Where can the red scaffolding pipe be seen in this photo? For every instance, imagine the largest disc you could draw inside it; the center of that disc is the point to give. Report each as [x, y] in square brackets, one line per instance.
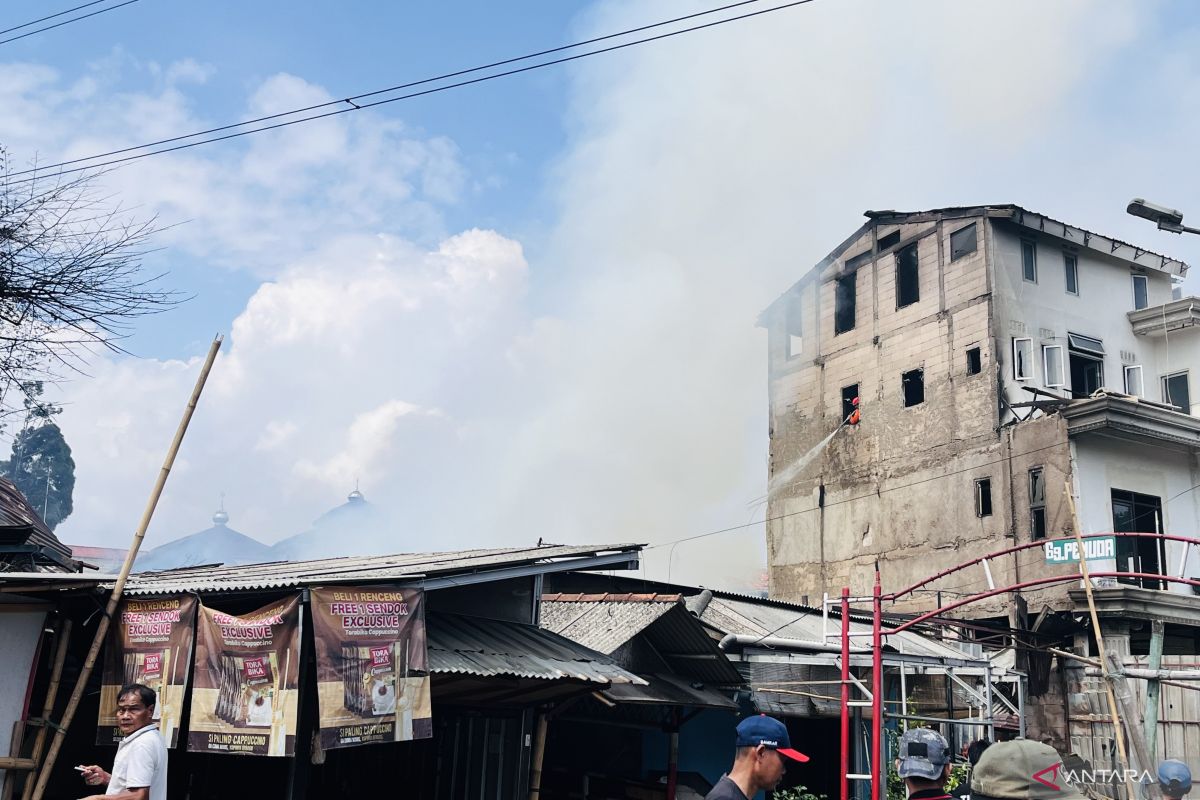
[845, 781]
[1028, 545]
[1029, 584]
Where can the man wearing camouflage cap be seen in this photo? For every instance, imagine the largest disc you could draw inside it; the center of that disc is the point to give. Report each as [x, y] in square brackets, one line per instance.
[924, 764]
[1021, 770]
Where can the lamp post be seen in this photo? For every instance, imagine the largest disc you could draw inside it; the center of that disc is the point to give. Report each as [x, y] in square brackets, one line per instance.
[1167, 219]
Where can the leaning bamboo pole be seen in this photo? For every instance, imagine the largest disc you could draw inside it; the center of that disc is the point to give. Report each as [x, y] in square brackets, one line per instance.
[39, 744]
[89, 663]
[1100, 651]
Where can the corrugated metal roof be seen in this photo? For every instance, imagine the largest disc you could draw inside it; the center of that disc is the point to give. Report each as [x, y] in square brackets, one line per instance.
[760, 619]
[483, 647]
[608, 625]
[403, 566]
[602, 625]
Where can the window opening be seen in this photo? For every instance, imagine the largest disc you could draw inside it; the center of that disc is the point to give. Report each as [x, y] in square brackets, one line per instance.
[1086, 359]
[1022, 359]
[983, 497]
[962, 242]
[1071, 268]
[891, 240]
[1141, 292]
[1133, 381]
[844, 300]
[1037, 504]
[849, 395]
[908, 278]
[913, 385]
[857, 261]
[1029, 260]
[1138, 513]
[1175, 391]
[974, 361]
[1052, 364]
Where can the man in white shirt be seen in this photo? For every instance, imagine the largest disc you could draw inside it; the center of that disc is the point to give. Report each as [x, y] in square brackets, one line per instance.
[140, 768]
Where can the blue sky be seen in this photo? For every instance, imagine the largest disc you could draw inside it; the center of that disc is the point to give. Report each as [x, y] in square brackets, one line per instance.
[526, 309]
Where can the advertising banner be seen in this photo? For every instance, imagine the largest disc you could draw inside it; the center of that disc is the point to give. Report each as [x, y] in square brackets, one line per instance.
[247, 668]
[149, 642]
[372, 668]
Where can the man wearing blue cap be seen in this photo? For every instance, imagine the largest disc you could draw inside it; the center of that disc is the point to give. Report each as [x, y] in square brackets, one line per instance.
[762, 745]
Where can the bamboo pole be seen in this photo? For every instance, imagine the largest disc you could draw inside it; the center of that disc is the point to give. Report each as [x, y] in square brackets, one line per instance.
[1133, 718]
[1157, 630]
[102, 628]
[1100, 651]
[39, 744]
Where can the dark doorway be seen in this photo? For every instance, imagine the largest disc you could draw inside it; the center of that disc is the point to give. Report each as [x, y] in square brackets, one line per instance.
[1138, 513]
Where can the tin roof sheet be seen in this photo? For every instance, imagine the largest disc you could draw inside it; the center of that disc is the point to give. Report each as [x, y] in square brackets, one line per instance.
[402, 566]
[483, 647]
[601, 624]
[21, 525]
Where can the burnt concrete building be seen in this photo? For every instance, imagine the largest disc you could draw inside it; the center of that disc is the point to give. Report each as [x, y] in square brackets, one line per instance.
[1000, 359]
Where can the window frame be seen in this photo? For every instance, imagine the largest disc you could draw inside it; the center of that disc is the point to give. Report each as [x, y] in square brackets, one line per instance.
[1062, 370]
[1032, 245]
[1187, 387]
[1071, 272]
[1027, 361]
[1125, 370]
[793, 313]
[846, 401]
[955, 256]
[1145, 279]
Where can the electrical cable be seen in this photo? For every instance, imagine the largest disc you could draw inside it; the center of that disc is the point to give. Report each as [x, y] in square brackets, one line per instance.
[64, 22]
[53, 170]
[52, 16]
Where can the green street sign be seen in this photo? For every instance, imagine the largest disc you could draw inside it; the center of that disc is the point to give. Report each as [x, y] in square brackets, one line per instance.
[1067, 552]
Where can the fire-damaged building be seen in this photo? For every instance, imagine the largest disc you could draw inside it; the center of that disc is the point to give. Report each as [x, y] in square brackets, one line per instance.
[999, 361]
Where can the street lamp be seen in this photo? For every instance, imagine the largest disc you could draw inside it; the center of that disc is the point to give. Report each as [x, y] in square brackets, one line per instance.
[1167, 219]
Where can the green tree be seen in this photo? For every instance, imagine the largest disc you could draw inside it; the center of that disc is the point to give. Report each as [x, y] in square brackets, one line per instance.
[41, 465]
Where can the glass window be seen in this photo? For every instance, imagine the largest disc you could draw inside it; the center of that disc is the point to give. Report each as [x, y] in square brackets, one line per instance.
[1086, 344]
[1133, 381]
[1175, 391]
[1029, 260]
[1052, 364]
[1022, 359]
[1071, 270]
[1141, 292]
[962, 242]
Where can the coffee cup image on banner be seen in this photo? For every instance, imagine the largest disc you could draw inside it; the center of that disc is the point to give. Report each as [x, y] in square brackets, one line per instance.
[247, 695]
[369, 679]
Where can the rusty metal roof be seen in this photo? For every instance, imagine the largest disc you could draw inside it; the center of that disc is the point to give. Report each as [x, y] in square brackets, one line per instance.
[21, 527]
[484, 647]
[419, 568]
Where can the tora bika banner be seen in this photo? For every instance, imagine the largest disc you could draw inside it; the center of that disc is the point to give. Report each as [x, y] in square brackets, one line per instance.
[372, 667]
[149, 642]
[245, 688]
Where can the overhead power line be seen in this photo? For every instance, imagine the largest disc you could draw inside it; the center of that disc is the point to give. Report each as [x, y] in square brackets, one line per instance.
[64, 22]
[350, 104]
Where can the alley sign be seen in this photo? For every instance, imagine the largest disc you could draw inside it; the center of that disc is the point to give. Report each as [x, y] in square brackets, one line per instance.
[1096, 547]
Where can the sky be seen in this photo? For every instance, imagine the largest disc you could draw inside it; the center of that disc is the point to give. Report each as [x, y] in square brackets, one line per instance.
[526, 308]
